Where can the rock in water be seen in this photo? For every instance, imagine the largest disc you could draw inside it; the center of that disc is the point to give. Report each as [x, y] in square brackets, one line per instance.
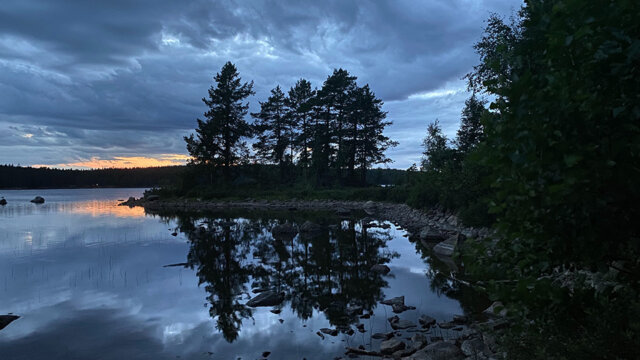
[390, 346]
[332, 332]
[266, 354]
[438, 350]
[3, 202]
[38, 200]
[7, 319]
[380, 269]
[399, 300]
[426, 321]
[447, 247]
[267, 298]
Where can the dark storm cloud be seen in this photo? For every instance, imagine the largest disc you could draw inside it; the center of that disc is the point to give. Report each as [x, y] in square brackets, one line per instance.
[114, 78]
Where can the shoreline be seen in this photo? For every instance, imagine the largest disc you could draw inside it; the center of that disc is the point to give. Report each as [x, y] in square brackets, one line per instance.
[432, 226]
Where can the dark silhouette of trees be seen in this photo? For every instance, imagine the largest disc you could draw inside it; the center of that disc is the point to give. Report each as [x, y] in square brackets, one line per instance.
[300, 104]
[219, 138]
[328, 133]
[274, 131]
[471, 132]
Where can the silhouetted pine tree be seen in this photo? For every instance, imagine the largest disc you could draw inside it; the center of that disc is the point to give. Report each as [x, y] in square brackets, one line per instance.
[274, 130]
[218, 142]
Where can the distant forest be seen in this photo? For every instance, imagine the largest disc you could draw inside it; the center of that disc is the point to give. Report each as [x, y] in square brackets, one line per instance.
[18, 177]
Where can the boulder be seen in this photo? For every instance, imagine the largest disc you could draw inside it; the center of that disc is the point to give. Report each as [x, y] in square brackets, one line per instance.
[472, 347]
[430, 234]
[397, 308]
[397, 324]
[392, 345]
[398, 300]
[332, 332]
[380, 269]
[3, 202]
[446, 325]
[438, 350]
[382, 335]
[267, 298]
[496, 309]
[5, 320]
[38, 200]
[447, 247]
[426, 321]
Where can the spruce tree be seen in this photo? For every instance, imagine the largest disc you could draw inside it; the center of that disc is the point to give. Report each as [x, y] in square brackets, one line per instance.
[218, 143]
[274, 130]
[471, 131]
[300, 106]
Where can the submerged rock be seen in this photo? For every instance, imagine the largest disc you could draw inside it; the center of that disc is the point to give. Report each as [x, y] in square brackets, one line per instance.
[267, 298]
[392, 345]
[397, 324]
[5, 320]
[430, 234]
[438, 350]
[380, 269]
[332, 332]
[398, 300]
[426, 321]
[38, 200]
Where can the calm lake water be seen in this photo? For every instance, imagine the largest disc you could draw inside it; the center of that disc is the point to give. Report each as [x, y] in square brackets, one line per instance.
[88, 279]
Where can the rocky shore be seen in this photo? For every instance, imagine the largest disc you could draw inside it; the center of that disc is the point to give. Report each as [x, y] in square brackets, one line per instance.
[467, 338]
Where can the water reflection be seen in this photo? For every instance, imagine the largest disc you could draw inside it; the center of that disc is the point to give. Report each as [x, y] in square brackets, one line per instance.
[326, 269]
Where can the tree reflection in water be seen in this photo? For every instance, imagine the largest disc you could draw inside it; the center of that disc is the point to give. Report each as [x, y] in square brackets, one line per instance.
[326, 270]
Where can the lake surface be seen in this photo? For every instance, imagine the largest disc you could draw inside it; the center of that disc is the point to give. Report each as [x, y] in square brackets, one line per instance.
[89, 280]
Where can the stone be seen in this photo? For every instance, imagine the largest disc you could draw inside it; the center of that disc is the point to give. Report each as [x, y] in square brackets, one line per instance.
[438, 350]
[472, 347]
[266, 354]
[3, 202]
[320, 334]
[426, 321]
[398, 300]
[391, 345]
[382, 335]
[267, 298]
[397, 324]
[418, 341]
[446, 325]
[38, 200]
[380, 269]
[332, 332]
[495, 309]
[460, 319]
[447, 247]
[5, 320]
[399, 308]
[430, 234]
[361, 328]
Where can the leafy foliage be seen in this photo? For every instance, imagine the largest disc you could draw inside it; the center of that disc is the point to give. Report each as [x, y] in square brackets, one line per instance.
[563, 158]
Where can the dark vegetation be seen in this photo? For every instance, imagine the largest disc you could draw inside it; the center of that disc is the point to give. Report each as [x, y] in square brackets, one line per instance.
[17, 177]
[553, 165]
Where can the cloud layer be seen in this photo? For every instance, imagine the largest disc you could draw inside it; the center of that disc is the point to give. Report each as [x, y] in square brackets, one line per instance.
[99, 80]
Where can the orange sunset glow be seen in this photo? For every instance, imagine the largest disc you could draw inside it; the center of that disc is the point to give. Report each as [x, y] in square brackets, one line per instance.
[124, 162]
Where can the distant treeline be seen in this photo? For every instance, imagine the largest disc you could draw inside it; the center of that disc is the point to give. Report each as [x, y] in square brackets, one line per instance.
[18, 177]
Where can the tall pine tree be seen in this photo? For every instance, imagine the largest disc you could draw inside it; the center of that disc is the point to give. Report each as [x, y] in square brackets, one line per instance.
[300, 104]
[218, 143]
[273, 127]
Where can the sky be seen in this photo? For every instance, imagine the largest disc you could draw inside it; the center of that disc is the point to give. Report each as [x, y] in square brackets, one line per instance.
[118, 83]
